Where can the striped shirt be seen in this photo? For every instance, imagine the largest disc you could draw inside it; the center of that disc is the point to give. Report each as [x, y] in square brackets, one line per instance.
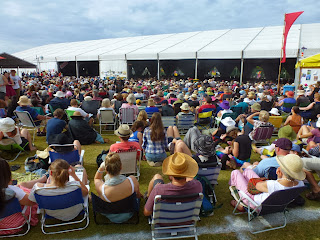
[156, 147]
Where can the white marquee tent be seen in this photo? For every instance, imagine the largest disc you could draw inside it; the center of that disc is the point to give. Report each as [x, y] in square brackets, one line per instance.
[113, 54]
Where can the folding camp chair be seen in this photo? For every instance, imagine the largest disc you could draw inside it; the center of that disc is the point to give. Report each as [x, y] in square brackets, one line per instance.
[12, 147]
[176, 108]
[276, 202]
[91, 107]
[126, 116]
[13, 207]
[69, 113]
[211, 172]
[130, 161]
[175, 216]
[70, 156]
[276, 121]
[60, 202]
[26, 121]
[106, 118]
[127, 205]
[185, 122]
[205, 119]
[168, 121]
[262, 134]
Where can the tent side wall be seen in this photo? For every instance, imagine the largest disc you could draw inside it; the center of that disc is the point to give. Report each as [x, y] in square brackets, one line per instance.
[113, 68]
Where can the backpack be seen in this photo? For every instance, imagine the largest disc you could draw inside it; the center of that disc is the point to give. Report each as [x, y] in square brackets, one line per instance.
[101, 156]
[207, 206]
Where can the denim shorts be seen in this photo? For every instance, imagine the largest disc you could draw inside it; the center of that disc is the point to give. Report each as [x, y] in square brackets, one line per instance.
[156, 157]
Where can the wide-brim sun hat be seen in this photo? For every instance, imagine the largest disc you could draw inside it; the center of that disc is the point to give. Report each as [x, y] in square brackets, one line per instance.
[185, 106]
[88, 98]
[228, 121]
[60, 94]
[151, 102]
[7, 125]
[300, 92]
[194, 96]
[292, 165]
[274, 111]
[231, 128]
[256, 107]
[180, 96]
[123, 131]
[225, 105]
[180, 165]
[24, 101]
[287, 132]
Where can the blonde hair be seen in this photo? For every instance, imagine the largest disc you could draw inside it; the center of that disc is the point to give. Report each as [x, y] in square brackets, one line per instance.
[142, 116]
[113, 163]
[264, 116]
[59, 172]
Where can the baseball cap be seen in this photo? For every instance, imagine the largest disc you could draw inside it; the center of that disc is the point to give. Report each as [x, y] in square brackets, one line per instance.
[283, 143]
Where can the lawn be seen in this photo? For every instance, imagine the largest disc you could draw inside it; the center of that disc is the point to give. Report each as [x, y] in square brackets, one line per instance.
[222, 225]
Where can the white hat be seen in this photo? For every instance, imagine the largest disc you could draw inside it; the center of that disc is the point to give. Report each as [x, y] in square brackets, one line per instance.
[88, 98]
[185, 106]
[318, 123]
[7, 125]
[228, 121]
[275, 111]
[60, 94]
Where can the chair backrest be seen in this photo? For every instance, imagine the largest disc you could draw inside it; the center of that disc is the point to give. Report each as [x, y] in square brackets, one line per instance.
[127, 115]
[59, 201]
[12, 206]
[272, 173]
[91, 106]
[276, 121]
[106, 116]
[69, 156]
[2, 112]
[168, 121]
[233, 115]
[211, 173]
[129, 161]
[186, 121]
[52, 108]
[69, 113]
[263, 133]
[39, 110]
[207, 114]
[177, 108]
[279, 200]
[125, 205]
[173, 210]
[25, 118]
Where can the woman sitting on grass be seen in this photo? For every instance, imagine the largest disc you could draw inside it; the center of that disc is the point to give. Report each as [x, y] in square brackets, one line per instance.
[116, 186]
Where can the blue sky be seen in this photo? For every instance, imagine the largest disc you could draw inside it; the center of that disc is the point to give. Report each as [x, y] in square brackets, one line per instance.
[29, 23]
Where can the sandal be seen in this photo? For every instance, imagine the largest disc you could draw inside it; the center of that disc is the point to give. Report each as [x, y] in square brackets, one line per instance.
[313, 196]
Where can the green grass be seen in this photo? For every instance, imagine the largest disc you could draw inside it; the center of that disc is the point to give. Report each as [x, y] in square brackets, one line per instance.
[298, 230]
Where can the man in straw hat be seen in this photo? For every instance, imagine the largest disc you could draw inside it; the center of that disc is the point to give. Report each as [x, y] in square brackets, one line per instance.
[181, 169]
[24, 105]
[289, 174]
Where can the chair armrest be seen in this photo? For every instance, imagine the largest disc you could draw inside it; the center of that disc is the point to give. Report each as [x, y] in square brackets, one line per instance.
[244, 195]
[81, 156]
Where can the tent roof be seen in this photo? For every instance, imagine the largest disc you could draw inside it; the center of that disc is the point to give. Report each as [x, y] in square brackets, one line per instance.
[313, 61]
[249, 43]
[9, 61]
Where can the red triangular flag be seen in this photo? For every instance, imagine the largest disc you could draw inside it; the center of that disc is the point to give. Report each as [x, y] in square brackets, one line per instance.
[288, 21]
[2, 57]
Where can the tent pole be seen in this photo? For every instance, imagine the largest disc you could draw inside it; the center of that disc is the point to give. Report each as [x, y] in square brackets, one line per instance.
[18, 71]
[77, 68]
[158, 72]
[241, 68]
[196, 67]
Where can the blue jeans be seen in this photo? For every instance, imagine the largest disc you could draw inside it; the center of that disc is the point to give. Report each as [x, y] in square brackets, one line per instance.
[156, 157]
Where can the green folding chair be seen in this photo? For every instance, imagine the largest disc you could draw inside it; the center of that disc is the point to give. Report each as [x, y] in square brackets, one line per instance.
[12, 147]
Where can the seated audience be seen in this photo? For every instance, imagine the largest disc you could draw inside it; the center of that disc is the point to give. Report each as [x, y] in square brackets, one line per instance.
[55, 125]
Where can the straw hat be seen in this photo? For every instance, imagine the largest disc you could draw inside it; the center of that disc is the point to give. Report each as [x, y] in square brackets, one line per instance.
[195, 96]
[185, 106]
[123, 131]
[7, 125]
[228, 121]
[256, 107]
[151, 102]
[292, 165]
[180, 165]
[24, 101]
[274, 111]
[300, 92]
[180, 96]
[131, 98]
[287, 132]
[88, 98]
[60, 94]
[231, 128]
[76, 114]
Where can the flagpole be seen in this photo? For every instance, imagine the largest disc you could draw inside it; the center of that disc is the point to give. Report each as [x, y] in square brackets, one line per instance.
[281, 52]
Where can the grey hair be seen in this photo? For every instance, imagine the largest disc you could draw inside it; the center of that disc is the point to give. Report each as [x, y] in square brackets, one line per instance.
[286, 175]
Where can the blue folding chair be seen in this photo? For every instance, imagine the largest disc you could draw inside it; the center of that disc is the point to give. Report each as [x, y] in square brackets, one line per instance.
[185, 122]
[175, 216]
[12, 207]
[60, 202]
[70, 156]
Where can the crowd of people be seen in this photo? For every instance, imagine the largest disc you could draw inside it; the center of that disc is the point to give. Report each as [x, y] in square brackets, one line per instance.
[237, 112]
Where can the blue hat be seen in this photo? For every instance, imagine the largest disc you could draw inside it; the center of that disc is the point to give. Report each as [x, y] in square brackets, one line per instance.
[296, 148]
